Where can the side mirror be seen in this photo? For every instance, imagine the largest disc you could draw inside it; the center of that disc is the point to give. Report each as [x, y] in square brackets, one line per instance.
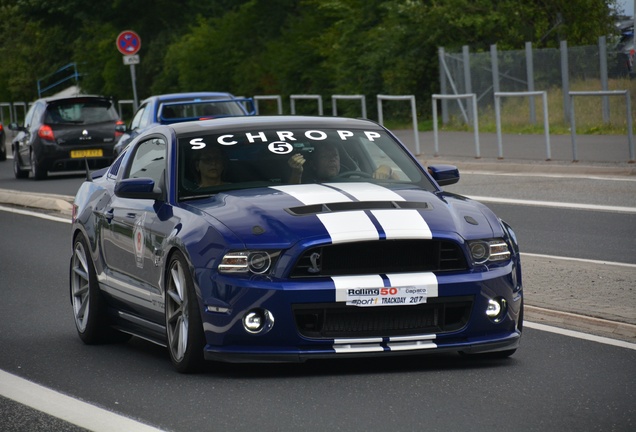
[138, 188]
[444, 175]
[16, 127]
[121, 128]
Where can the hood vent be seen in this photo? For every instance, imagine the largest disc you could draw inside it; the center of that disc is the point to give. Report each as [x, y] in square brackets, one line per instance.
[358, 205]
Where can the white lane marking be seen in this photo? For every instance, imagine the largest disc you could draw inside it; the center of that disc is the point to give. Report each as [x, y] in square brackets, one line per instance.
[580, 335]
[36, 214]
[564, 176]
[582, 260]
[554, 204]
[66, 408]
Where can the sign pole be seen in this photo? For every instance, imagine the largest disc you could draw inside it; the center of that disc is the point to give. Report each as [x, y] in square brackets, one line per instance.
[128, 43]
[134, 85]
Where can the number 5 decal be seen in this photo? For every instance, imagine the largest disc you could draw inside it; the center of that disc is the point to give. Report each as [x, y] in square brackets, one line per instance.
[280, 147]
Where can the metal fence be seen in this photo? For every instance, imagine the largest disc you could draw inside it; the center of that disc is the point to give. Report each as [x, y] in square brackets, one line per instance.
[527, 70]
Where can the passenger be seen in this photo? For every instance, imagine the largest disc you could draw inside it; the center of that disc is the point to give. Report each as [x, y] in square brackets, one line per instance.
[325, 162]
[209, 164]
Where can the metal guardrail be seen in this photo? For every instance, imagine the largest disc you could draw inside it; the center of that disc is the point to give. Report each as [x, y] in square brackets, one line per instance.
[362, 98]
[471, 96]
[410, 98]
[628, 106]
[277, 98]
[546, 124]
[294, 98]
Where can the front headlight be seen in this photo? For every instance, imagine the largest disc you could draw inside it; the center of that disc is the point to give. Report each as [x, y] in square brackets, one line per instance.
[257, 262]
[482, 251]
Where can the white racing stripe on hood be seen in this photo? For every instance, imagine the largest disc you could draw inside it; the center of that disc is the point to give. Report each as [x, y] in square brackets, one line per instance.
[309, 194]
[402, 224]
[367, 191]
[349, 226]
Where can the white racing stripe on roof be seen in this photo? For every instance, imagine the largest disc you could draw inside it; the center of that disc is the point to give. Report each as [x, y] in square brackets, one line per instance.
[349, 226]
[310, 194]
[403, 224]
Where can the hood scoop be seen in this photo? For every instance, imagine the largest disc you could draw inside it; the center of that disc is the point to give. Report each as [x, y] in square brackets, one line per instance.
[314, 209]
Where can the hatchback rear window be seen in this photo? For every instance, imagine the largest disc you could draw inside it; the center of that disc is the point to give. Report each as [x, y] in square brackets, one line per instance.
[81, 111]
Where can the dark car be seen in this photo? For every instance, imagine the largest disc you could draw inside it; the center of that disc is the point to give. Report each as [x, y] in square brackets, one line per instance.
[3, 145]
[180, 107]
[64, 134]
[206, 237]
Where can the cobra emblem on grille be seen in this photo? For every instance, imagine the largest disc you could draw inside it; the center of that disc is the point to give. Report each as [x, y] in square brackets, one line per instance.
[315, 267]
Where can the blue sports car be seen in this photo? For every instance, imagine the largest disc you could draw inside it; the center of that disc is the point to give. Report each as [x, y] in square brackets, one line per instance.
[287, 238]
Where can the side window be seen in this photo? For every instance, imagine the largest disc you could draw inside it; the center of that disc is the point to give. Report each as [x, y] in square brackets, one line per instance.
[147, 117]
[29, 116]
[149, 160]
[136, 121]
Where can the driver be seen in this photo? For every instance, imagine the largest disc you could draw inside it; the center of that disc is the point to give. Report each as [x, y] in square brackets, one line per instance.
[325, 162]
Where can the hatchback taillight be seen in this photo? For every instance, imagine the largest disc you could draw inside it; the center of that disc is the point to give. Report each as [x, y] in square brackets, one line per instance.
[45, 132]
[117, 133]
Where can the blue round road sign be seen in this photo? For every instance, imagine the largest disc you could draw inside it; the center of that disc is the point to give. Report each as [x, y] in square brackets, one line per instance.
[128, 42]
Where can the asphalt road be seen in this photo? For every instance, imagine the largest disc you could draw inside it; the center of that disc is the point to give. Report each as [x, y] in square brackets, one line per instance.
[553, 382]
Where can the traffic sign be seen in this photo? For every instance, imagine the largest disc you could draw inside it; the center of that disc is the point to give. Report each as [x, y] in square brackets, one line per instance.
[131, 59]
[128, 42]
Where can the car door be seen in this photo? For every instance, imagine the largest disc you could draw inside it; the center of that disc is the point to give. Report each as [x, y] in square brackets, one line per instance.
[127, 241]
[25, 137]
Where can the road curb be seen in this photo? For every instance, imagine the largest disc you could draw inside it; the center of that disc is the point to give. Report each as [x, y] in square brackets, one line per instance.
[59, 203]
[598, 326]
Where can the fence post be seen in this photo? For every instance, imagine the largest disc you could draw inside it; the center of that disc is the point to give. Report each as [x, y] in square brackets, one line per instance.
[530, 78]
[602, 55]
[467, 78]
[471, 96]
[565, 80]
[442, 84]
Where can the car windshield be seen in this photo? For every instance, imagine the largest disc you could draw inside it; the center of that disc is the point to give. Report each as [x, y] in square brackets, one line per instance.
[211, 163]
[80, 111]
[171, 112]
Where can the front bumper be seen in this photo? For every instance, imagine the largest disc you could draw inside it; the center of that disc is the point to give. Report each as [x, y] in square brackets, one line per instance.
[225, 305]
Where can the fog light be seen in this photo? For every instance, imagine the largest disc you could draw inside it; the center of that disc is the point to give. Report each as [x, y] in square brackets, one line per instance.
[258, 321]
[496, 309]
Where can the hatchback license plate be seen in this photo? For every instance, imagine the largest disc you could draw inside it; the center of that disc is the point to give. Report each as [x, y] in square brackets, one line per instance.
[87, 153]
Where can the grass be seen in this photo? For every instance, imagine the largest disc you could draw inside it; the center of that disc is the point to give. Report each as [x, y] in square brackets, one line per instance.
[515, 113]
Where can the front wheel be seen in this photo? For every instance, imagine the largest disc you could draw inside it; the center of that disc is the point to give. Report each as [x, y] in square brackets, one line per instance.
[85, 296]
[184, 327]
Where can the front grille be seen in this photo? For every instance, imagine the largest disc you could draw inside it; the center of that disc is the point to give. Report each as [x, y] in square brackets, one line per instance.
[378, 257]
[333, 320]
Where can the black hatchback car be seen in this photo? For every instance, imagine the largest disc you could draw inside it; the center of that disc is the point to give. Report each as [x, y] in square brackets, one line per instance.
[65, 134]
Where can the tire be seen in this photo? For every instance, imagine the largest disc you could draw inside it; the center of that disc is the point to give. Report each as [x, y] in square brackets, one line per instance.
[184, 327]
[37, 171]
[88, 308]
[3, 150]
[18, 172]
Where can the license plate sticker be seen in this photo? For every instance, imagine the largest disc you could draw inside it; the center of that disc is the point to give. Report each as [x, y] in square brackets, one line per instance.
[387, 296]
[87, 153]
